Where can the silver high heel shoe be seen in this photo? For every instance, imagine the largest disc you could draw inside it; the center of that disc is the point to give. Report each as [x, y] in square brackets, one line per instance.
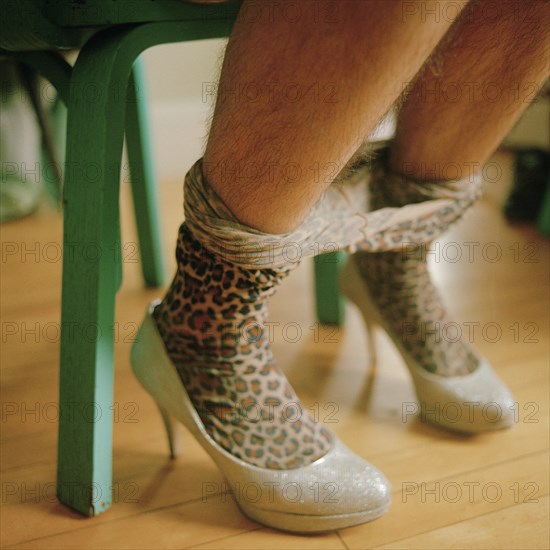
[338, 490]
[476, 402]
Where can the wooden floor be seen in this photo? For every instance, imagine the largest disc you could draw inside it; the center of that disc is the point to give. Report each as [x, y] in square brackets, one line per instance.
[449, 491]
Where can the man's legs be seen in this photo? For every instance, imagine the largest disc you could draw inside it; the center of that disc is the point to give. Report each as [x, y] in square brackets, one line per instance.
[468, 96]
[347, 68]
[473, 90]
[346, 63]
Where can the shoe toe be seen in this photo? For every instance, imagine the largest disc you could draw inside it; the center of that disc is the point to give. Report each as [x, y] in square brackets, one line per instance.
[342, 483]
[474, 403]
[339, 490]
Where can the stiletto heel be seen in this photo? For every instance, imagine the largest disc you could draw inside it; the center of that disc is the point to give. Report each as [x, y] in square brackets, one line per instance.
[457, 403]
[171, 432]
[362, 492]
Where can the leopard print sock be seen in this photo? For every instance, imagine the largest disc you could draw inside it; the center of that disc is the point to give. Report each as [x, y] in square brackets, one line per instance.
[212, 321]
[411, 306]
[400, 282]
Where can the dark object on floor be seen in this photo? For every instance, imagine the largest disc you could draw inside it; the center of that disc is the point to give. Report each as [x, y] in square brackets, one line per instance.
[531, 178]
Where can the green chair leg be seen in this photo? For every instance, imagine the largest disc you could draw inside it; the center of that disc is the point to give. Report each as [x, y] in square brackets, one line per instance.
[143, 181]
[90, 277]
[329, 302]
[95, 129]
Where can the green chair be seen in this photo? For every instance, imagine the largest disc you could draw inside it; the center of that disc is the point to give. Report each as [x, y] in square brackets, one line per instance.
[105, 96]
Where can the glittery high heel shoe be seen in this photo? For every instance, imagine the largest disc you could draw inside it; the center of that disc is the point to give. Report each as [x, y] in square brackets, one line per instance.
[476, 402]
[338, 490]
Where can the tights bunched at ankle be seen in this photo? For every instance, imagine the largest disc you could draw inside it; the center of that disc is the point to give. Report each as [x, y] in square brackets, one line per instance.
[213, 318]
[343, 219]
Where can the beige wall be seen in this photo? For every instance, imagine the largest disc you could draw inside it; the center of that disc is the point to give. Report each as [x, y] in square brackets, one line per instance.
[176, 74]
[178, 71]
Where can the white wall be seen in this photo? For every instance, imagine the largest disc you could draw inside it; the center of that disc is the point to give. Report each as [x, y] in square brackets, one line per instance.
[178, 71]
[176, 75]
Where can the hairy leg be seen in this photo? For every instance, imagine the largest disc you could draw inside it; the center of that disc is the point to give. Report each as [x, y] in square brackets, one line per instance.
[468, 96]
[472, 91]
[322, 75]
